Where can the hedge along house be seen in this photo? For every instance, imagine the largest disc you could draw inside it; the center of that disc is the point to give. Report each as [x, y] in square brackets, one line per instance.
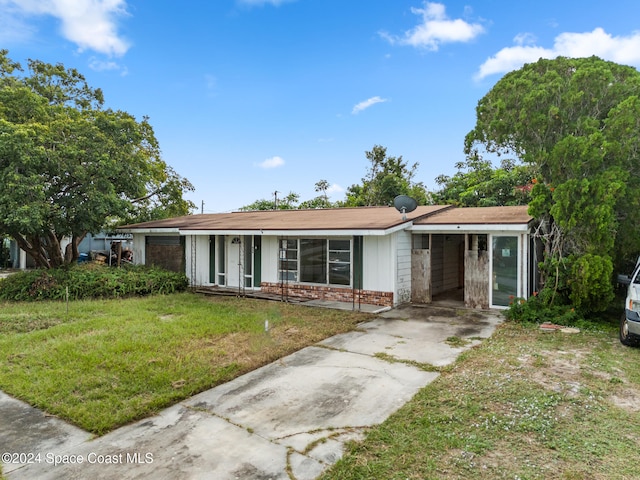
[369, 255]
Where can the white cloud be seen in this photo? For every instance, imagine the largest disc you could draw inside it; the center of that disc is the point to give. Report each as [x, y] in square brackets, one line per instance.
[101, 65]
[367, 103]
[620, 49]
[273, 162]
[436, 28]
[335, 188]
[90, 24]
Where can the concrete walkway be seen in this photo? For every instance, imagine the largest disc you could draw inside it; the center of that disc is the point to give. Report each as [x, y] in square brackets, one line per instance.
[289, 419]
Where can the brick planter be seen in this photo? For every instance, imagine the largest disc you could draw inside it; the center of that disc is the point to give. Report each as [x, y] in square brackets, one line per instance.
[316, 292]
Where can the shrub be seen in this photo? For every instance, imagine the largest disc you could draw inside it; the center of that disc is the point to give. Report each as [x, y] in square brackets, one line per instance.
[90, 281]
[535, 310]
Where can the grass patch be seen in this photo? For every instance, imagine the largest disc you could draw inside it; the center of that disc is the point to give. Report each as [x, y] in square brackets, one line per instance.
[422, 366]
[105, 363]
[456, 342]
[523, 405]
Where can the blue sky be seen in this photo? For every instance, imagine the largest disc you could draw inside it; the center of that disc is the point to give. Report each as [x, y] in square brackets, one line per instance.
[249, 97]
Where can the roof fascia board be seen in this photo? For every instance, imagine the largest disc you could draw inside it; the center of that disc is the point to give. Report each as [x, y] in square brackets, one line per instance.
[164, 231]
[291, 233]
[471, 228]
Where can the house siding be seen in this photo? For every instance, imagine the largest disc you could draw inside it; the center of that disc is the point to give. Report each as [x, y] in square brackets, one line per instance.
[269, 259]
[403, 256]
[377, 268]
[201, 260]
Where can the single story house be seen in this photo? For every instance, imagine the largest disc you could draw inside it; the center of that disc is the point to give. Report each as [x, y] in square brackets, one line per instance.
[482, 257]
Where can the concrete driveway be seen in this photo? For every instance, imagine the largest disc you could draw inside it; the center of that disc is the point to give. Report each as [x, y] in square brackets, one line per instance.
[289, 419]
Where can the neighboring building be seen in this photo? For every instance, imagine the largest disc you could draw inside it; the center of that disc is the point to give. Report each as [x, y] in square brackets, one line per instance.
[375, 255]
[90, 247]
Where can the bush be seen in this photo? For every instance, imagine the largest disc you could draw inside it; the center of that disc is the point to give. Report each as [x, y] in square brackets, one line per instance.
[90, 281]
[534, 310]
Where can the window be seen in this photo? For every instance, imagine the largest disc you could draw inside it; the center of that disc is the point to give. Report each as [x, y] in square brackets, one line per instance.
[340, 262]
[288, 263]
[315, 260]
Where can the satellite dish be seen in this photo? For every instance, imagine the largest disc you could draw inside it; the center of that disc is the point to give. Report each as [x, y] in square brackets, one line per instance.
[405, 204]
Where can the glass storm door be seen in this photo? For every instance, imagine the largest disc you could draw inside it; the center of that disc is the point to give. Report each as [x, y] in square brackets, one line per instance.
[505, 270]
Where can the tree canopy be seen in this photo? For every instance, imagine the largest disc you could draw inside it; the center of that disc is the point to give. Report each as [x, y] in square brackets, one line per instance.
[287, 202]
[576, 123]
[69, 167]
[386, 178]
[478, 184]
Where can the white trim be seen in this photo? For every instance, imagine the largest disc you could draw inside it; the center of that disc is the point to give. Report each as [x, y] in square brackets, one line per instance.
[297, 233]
[471, 228]
[160, 231]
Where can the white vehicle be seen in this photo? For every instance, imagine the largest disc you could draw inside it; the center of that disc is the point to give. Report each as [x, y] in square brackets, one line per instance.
[630, 320]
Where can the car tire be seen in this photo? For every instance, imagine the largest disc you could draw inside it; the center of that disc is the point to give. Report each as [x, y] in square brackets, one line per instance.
[627, 338]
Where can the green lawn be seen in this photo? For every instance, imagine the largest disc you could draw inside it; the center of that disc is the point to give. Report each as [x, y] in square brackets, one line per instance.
[523, 405]
[105, 363]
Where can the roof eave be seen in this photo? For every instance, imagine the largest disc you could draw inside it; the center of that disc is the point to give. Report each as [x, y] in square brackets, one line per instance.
[476, 227]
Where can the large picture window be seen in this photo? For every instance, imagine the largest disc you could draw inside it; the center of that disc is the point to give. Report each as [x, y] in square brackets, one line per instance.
[315, 260]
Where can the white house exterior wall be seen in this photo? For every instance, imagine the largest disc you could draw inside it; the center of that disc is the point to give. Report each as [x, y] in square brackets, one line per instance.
[188, 253]
[270, 259]
[403, 272]
[523, 284]
[378, 264]
[139, 253]
[202, 258]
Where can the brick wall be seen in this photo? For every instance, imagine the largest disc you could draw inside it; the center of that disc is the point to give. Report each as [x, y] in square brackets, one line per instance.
[316, 292]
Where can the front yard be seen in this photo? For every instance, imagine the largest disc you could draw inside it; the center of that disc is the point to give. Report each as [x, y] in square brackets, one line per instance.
[523, 405]
[106, 363]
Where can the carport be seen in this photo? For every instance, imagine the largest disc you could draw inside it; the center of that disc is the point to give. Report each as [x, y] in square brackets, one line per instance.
[477, 257]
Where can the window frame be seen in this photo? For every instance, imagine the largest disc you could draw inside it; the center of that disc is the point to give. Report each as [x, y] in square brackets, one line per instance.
[287, 246]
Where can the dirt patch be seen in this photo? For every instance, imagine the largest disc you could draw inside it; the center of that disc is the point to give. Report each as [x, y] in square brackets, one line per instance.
[628, 399]
[558, 371]
[561, 371]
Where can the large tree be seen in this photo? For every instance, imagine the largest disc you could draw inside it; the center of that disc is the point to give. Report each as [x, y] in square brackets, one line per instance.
[576, 122]
[69, 167]
[386, 178]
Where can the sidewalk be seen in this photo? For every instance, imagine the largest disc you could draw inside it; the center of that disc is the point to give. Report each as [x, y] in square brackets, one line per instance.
[288, 419]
